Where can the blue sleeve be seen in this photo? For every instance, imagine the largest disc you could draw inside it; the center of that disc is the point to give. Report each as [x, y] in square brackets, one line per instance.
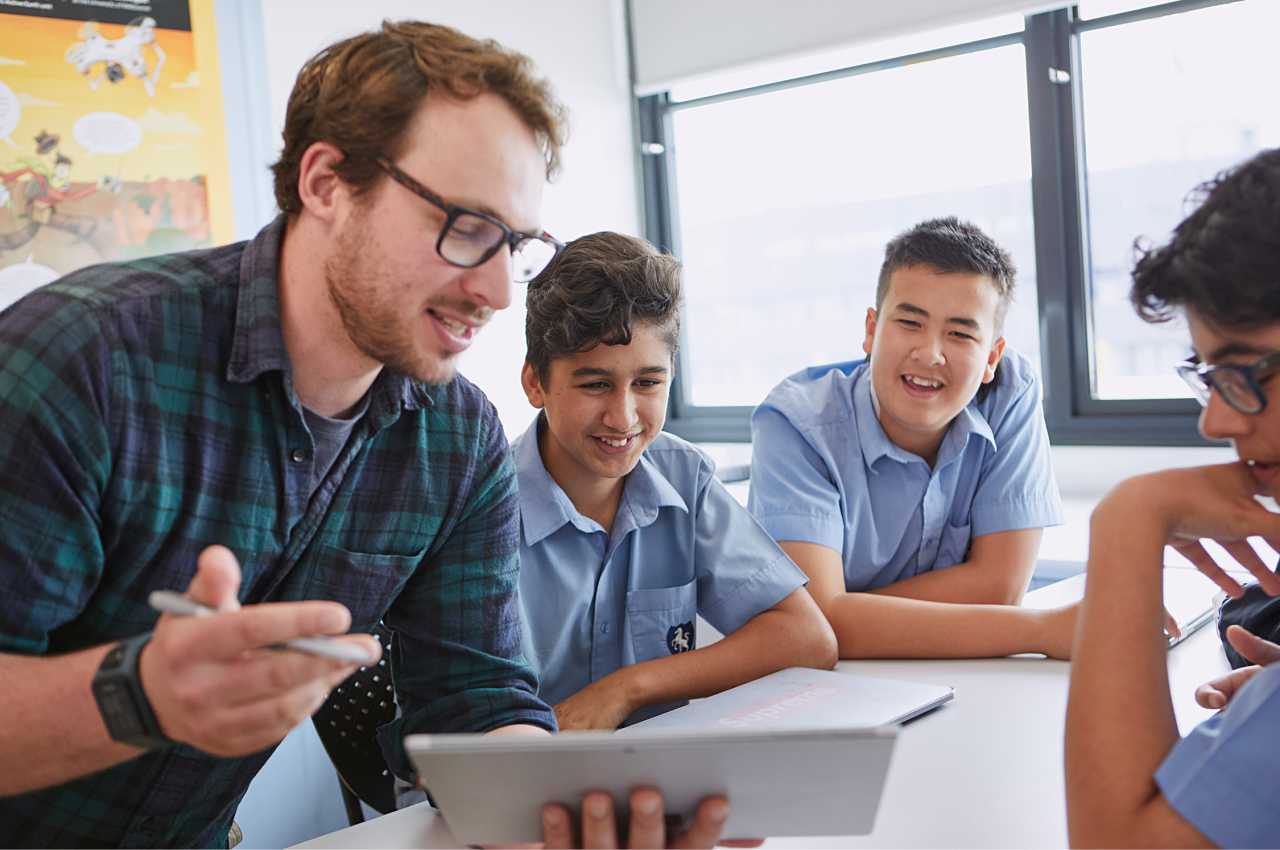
[1018, 489]
[792, 494]
[1223, 776]
[741, 572]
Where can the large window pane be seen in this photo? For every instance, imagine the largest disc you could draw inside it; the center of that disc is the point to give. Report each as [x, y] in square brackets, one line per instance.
[1168, 102]
[786, 201]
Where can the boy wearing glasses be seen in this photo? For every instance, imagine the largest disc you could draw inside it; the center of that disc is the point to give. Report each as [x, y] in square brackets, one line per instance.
[912, 487]
[1131, 781]
[626, 536]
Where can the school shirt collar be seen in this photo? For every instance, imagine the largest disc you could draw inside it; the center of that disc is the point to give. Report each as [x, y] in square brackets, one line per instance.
[545, 508]
[875, 443]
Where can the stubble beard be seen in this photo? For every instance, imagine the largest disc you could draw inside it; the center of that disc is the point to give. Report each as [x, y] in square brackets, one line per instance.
[362, 291]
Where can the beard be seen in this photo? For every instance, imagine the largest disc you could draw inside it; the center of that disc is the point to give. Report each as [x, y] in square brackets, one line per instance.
[372, 308]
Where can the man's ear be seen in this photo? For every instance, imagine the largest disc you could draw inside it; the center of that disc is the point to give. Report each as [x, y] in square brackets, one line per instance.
[319, 187]
[870, 336]
[532, 385]
[993, 360]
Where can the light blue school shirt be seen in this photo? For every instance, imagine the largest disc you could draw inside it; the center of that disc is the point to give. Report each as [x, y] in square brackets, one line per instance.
[594, 601]
[1223, 777]
[823, 471]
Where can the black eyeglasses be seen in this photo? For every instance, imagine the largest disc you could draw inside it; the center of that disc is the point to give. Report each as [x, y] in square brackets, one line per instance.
[469, 238]
[1239, 386]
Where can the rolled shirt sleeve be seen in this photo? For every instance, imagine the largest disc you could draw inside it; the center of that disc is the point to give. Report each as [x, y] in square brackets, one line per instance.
[1222, 777]
[792, 493]
[1017, 488]
[741, 571]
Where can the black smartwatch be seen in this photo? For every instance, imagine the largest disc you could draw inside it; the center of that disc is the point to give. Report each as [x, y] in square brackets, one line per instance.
[123, 704]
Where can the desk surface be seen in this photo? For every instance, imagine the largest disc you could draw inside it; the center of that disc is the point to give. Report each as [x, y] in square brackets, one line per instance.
[983, 771]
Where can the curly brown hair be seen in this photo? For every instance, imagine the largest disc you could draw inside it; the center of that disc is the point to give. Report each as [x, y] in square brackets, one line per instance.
[596, 291]
[360, 94]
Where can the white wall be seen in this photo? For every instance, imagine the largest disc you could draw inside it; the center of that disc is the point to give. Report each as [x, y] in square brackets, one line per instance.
[580, 46]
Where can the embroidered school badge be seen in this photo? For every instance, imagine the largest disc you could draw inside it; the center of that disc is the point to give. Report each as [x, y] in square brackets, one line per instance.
[680, 638]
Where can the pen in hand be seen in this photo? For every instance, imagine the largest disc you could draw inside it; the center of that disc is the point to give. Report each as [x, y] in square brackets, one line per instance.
[169, 602]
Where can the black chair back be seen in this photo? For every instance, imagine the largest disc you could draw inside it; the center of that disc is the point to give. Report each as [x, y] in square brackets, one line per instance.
[348, 723]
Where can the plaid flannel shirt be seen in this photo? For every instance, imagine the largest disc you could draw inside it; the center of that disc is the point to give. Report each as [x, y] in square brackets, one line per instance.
[147, 411]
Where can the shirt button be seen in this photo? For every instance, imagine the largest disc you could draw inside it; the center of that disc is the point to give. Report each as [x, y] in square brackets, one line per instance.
[604, 630]
[298, 455]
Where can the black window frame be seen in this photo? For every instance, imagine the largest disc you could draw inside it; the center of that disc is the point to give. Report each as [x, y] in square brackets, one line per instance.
[1059, 207]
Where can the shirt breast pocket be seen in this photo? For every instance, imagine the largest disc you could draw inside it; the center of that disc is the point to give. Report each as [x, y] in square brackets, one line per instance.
[953, 545]
[661, 620]
[367, 583]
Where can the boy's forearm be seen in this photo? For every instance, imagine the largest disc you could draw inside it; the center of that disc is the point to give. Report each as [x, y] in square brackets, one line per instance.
[967, 583]
[877, 626]
[770, 641]
[1120, 721]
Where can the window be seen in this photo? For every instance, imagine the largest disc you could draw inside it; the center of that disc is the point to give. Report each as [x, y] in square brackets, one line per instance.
[1063, 140]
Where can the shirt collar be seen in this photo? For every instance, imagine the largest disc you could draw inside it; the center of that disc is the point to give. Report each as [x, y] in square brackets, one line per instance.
[875, 443]
[545, 508]
[258, 346]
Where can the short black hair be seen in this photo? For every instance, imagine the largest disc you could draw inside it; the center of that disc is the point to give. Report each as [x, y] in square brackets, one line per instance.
[595, 291]
[1223, 261]
[951, 246]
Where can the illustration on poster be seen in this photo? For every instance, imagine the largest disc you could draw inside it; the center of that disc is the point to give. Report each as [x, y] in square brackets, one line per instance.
[117, 55]
[10, 113]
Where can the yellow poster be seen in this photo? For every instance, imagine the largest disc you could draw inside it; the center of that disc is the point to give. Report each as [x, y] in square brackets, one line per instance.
[112, 143]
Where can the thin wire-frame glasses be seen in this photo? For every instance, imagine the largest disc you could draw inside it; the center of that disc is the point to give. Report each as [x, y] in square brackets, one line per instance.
[470, 238]
[1239, 385]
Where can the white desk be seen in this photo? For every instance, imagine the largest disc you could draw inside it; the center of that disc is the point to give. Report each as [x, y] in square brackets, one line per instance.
[983, 771]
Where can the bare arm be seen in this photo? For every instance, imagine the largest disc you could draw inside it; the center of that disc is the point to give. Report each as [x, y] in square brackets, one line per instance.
[996, 572]
[1120, 722]
[869, 625]
[793, 633]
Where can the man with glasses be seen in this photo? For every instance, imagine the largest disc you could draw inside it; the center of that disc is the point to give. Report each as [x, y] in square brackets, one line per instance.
[271, 422]
[1131, 781]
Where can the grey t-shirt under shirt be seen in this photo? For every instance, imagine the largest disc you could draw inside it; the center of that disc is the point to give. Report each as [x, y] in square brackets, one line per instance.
[330, 436]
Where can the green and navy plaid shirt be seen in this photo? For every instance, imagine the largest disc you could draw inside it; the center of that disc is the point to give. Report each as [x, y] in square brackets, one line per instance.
[147, 411]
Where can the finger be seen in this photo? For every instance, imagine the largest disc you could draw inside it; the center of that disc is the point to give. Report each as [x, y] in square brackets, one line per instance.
[1225, 687]
[557, 827]
[1209, 695]
[647, 828]
[262, 675]
[1252, 648]
[217, 580]
[708, 821]
[599, 829]
[226, 636]
[1247, 557]
[248, 728]
[1195, 552]
[1171, 625]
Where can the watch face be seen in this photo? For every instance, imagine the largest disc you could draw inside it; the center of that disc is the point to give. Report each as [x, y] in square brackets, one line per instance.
[119, 712]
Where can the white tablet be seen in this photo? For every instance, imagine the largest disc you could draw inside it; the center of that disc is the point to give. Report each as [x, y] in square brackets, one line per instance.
[491, 790]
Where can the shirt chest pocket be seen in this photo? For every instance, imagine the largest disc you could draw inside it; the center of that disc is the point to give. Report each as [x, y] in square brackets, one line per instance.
[367, 583]
[661, 620]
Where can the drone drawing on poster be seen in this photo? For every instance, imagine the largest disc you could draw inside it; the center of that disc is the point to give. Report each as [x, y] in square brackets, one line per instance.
[112, 143]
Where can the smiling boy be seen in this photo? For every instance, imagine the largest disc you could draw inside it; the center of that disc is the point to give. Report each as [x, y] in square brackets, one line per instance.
[626, 535]
[912, 487]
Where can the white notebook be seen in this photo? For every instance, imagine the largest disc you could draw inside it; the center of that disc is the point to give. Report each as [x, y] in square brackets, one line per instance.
[803, 698]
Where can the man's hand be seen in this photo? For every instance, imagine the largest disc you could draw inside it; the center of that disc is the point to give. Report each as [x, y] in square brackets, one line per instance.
[215, 683]
[647, 827]
[603, 704]
[1218, 692]
[1215, 503]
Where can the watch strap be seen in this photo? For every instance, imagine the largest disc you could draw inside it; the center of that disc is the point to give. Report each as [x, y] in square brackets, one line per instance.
[122, 702]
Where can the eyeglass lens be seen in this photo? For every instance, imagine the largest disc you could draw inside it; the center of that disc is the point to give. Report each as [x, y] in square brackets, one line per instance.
[470, 237]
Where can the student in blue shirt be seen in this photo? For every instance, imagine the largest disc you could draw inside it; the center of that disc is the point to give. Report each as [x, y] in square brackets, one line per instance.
[625, 533]
[1130, 779]
[912, 487]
